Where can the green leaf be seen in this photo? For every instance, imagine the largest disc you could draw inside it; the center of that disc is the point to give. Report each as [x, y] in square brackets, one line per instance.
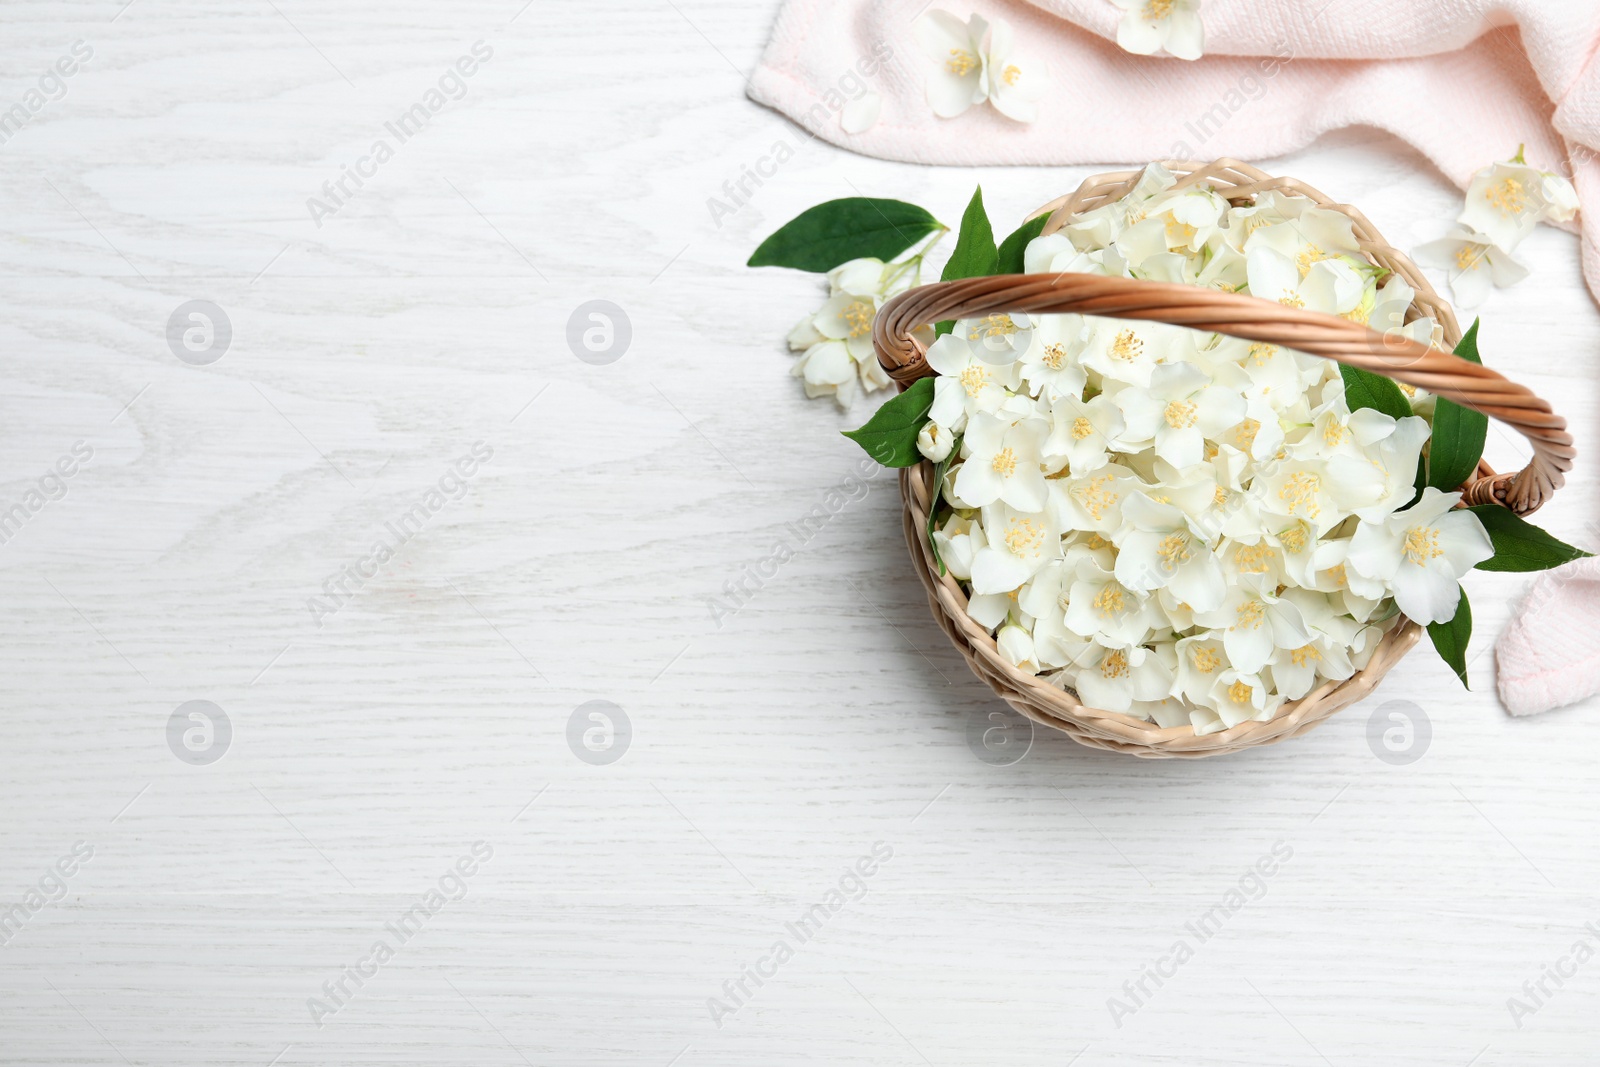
[938, 488]
[1451, 638]
[1519, 545]
[1363, 389]
[890, 436]
[975, 254]
[821, 238]
[1014, 246]
[1458, 432]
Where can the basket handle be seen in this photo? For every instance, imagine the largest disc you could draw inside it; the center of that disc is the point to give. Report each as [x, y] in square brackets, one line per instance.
[901, 354]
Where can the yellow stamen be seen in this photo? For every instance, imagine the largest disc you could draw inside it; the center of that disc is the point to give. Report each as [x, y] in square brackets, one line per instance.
[973, 378]
[1115, 664]
[1173, 550]
[1206, 659]
[1305, 654]
[1181, 414]
[1127, 346]
[1508, 197]
[961, 63]
[993, 326]
[1109, 601]
[1308, 255]
[1254, 559]
[1054, 356]
[858, 317]
[1470, 257]
[1422, 544]
[1005, 463]
[1249, 616]
[1024, 536]
[1095, 497]
[1240, 693]
[1300, 492]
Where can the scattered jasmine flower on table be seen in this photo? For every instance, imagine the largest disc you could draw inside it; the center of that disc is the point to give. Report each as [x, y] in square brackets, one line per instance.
[1504, 203]
[1473, 263]
[861, 113]
[976, 61]
[1150, 25]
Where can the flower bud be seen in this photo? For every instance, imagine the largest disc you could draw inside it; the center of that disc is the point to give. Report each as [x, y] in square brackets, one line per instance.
[934, 442]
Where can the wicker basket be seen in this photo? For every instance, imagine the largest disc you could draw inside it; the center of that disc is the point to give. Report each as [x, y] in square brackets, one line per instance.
[1247, 317]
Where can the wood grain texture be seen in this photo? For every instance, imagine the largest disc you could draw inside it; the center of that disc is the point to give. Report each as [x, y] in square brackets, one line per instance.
[768, 752]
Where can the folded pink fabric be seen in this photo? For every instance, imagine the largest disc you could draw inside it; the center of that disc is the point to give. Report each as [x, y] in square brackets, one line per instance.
[1549, 655]
[1464, 81]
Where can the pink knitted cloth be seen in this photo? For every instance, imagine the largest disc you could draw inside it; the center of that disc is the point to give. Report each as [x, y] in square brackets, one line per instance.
[1464, 81]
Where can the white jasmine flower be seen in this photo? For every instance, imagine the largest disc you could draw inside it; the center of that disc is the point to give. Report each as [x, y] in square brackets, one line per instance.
[1082, 431]
[828, 370]
[1150, 25]
[1014, 84]
[1384, 478]
[1102, 608]
[958, 541]
[1311, 235]
[1158, 550]
[1051, 364]
[1507, 200]
[1093, 501]
[973, 62]
[1240, 697]
[1421, 553]
[1098, 228]
[1560, 198]
[1328, 285]
[1300, 486]
[966, 384]
[998, 339]
[861, 113]
[1201, 659]
[934, 442]
[1016, 647]
[1391, 306]
[1127, 351]
[842, 329]
[956, 48]
[1017, 545]
[1255, 623]
[1184, 223]
[1297, 671]
[1179, 409]
[1001, 462]
[1114, 678]
[1474, 263]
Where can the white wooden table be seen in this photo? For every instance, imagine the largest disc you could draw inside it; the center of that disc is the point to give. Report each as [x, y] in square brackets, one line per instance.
[371, 746]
